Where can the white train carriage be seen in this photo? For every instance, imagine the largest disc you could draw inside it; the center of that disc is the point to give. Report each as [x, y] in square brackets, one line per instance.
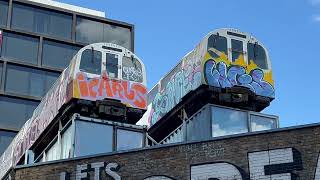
[103, 81]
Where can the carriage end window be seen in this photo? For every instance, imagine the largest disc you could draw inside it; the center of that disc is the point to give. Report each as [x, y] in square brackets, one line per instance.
[112, 65]
[91, 61]
[257, 54]
[131, 69]
[237, 49]
[219, 43]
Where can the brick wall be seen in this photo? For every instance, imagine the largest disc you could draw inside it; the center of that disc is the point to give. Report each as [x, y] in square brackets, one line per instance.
[279, 155]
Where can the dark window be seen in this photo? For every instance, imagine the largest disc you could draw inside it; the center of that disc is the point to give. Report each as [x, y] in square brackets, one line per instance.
[117, 35]
[91, 61]
[57, 55]
[219, 43]
[5, 139]
[237, 49]
[128, 139]
[131, 69]
[3, 12]
[92, 138]
[41, 21]
[88, 31]
[20, 48]
[112, 65]
[28, 81]
[14, 112]
[257, 54]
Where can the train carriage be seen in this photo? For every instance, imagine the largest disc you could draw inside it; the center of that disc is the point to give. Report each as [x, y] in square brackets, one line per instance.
[227, 67]
[103, 80]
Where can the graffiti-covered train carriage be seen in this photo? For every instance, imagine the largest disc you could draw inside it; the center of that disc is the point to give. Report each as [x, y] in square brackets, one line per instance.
[228, 67]
[103, 80]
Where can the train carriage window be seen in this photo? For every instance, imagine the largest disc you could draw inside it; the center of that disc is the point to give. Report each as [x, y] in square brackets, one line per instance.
[131, 69]
[237, 49]
[112, 65]
[257, 54]
[219, 43]
[91, 61]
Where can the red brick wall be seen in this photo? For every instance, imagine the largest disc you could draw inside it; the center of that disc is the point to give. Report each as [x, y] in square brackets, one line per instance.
[285, 154]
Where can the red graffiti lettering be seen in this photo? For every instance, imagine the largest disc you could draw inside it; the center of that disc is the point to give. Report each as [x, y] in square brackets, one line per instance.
[102, 87]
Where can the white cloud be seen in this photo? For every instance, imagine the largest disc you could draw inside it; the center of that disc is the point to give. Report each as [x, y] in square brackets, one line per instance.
[315, 2]
[316, 18]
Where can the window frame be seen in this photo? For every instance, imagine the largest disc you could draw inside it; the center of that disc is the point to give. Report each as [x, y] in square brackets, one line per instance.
[104, 21]
[7, 14]
[74, 46]
[275, 118]
[266, 60]
[16, 60]
[43, 8]
[127, 129]
[232, 109]
[102, 66]
[25, 69]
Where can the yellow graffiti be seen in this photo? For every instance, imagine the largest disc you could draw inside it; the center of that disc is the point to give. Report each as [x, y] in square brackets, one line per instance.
[222, 57]
[76, 93]
[268, 77]
[251, 67]
[240, 61]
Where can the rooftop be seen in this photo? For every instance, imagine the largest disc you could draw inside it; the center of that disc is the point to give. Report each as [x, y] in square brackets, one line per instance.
[70, 7]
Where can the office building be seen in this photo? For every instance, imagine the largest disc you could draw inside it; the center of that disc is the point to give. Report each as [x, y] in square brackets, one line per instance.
[37, 41]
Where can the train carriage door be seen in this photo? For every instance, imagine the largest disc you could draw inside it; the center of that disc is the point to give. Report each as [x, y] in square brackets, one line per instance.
[112, 65]
[237, 49]
[91, 62]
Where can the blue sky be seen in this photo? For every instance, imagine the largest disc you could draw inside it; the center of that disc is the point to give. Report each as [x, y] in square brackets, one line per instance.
[168, 29]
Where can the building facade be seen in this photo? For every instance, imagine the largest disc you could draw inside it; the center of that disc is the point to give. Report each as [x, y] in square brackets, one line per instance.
[280, 154]
[37, 41]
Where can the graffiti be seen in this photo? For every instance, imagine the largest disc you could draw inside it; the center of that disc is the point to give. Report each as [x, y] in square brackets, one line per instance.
[179, 85]
[220, 75]
[42, 116]
[274, 164]
[83, 170]
[263, 165]
[214, 171]
[132, 74]
[158, 178]
[205, 65]
[133, 94]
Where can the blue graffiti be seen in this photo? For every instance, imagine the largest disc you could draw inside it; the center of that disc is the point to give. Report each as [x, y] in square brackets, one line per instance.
[219, 75]
[169, 96]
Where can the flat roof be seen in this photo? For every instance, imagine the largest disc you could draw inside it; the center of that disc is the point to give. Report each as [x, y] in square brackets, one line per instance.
[70, 7]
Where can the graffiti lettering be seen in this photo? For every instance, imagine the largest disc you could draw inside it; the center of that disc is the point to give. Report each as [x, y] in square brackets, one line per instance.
[214, 171]
[158, 178]
[100, 88]
[220, 75]
[132, 74]
[274, 164]
[83, 169]
[179, 85]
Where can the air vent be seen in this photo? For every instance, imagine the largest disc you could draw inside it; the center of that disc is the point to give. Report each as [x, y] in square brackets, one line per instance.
[236, 34]
[111, 48]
